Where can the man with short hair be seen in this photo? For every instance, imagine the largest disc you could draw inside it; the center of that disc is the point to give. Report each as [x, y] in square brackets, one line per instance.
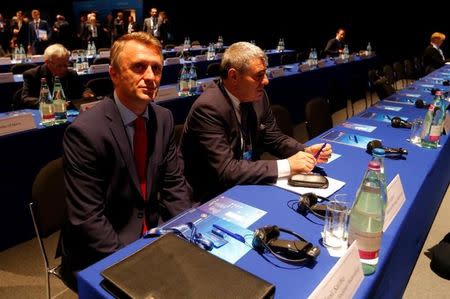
[335, 46]
[433, 57]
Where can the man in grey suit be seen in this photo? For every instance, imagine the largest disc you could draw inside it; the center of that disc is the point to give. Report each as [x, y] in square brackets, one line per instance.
[231, 124]
[117, 185]
[151, 25]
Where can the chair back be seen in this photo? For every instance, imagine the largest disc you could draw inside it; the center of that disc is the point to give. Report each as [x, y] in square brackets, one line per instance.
[213, 69]
[317, 116]
[19, 68]
[284, 119]
[17, 100]
[102, 60]
[48, 206]
[101, 86]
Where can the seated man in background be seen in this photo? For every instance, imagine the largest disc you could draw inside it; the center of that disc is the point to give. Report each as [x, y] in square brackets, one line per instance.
[56, 63]
[121, 167]
[335, 46]
[231, 124]
[433, 57]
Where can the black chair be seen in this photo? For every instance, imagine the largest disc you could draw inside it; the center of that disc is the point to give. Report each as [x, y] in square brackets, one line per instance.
[410, 71]
[19, 68]
[169, 46]
[288, 58]
[400, 76]
[357, 89]
[318, 116]
[17, 100]
[372, 78]
[389, 74]
[48, 211]
[383, 88]
[100, 86]
[102, 60]
[213, 69]
[284, 119]
[103, 50]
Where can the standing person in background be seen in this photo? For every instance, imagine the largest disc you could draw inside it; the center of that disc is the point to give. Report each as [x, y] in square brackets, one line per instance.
[231, 124]
[335, 46]
[433, 57]
[39, 33]
[151, 24]
[61, 32]
[108, 31]
[122, 171]
[132, 25]
[92, 30]
[4, 35]
[119, 26]
[165, 28]
[20, 29]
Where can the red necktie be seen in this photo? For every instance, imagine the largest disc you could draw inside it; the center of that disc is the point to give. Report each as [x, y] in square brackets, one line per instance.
[140, 158]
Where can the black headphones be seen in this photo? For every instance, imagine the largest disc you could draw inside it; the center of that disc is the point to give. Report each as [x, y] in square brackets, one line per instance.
[289, 251]
[309, 202]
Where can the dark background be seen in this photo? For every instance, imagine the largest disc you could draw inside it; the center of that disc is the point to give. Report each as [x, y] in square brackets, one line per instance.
[393, 30]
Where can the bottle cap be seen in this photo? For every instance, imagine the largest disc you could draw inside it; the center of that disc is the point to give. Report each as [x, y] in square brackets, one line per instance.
[378, 152]
[374, 165]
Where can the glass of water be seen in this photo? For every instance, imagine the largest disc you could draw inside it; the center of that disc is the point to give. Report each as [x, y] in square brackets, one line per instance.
[335, 230]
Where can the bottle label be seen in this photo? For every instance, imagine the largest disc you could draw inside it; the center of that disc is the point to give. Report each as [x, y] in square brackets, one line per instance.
[435, 133]
[368, 243]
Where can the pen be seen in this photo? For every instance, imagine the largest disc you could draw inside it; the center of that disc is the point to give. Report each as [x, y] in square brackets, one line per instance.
[319, 151]
[233, 235]
[356, 138]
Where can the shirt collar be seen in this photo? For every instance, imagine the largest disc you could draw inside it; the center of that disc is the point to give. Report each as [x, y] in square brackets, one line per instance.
[234, 100]
[128, 116]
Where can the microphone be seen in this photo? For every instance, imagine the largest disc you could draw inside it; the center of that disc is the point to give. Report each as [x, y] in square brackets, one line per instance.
[397, 122]
[391, 152]
[421, 104]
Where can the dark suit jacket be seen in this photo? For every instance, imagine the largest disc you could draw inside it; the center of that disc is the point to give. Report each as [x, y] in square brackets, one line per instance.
[73, 88]
[38, 45]
[105, 206]
[212, 150]
[333, 46]
[432, 59]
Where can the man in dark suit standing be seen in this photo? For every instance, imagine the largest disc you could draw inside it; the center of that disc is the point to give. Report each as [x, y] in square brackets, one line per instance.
[231, 124]
[121, 166]
[433, 57]
[56, 63]
[39, 32]
[335, 46]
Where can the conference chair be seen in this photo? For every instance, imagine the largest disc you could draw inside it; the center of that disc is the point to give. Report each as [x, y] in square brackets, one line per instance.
[102, 60]
[373, 77]
[19, 68]
[100, 86]
[284, 119]
[17, 100]
[410, 71]
[389, 74]
[400, 76]
[383, 89]
[356, 94]
[213, 69]
[48, 212]
[318, 116]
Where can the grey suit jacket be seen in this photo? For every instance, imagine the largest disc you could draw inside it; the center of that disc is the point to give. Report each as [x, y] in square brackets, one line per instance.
[212, 150]
[105, 206]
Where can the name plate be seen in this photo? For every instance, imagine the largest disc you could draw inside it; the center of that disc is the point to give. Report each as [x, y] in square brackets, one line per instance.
[104, 54]
[277, 72]
[196, 47]
[304, 67]
[37, 58]
[6, 77]
[339, 60]
[16, 123]
[86, 106]
[344, 278]
[167, 93]
[99, 68]
[322, 63]
[172, 60]
[200, 58]
[5, 60]
[395, 200]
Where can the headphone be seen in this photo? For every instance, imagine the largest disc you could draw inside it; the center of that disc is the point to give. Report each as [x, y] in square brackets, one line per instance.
[289, 251]
[309, 202]
[397, 122]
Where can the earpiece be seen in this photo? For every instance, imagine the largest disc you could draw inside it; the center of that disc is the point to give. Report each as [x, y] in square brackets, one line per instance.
[397, 122]
[289, 251]
[308, 202]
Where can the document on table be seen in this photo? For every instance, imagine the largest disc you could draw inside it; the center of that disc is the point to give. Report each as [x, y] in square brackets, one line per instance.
[333, 186]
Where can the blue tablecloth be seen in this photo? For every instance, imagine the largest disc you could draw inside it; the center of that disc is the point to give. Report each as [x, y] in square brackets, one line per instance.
[425, 176]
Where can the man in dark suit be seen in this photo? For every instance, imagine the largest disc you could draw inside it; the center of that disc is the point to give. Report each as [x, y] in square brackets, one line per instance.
[231, 124]
[56, 59]
[433, 57]
[112, 196]
[335, 46]
[39, 32]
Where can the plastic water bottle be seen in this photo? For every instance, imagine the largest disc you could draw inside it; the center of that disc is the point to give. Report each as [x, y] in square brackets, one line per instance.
[220, 42]
[378, 155]
[346, 53]
[89, 49]
[192, 79]
[367, 218]
[59, 102]
[369, 50]
[93, 49]
[211, 54]
[46, 105]
[434, 122]
[22, 53]
[16, 53]
[183, 83]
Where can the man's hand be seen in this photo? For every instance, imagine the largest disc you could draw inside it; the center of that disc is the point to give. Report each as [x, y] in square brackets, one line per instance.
[324, 154]
[301, 162]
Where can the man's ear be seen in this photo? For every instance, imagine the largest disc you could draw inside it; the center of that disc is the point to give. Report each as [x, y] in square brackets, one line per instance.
[114, 74]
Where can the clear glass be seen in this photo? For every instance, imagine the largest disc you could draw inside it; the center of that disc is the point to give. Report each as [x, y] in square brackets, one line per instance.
[416, 130]
[336, 222]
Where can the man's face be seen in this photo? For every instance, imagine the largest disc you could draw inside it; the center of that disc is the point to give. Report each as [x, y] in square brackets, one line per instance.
[341, 35]
[153, 12]
[139, 73]
[58, 66]
[250, 84]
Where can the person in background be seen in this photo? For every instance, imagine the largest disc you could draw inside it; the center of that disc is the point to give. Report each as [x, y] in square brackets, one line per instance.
[121, 180]
[335, 46]
[231, 124]
[56, 63]
[119, 26]
[19, 28]
[433, 57]
[165, 28]
[132, 25]
[61, 32]
[39, 33]
[151, 24]
[92, 30]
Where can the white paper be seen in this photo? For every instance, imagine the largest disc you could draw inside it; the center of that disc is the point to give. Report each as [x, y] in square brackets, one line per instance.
[333, 157]
[42, 34]
[99, 68]
[333, 186]
[5, 60]
[167, 92]
[276, 72]
[344, 278]
[16, 122]
[395, 200]
[104, 54]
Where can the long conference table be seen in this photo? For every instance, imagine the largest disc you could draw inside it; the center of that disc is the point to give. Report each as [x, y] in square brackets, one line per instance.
[424, 175]
[23, 154]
